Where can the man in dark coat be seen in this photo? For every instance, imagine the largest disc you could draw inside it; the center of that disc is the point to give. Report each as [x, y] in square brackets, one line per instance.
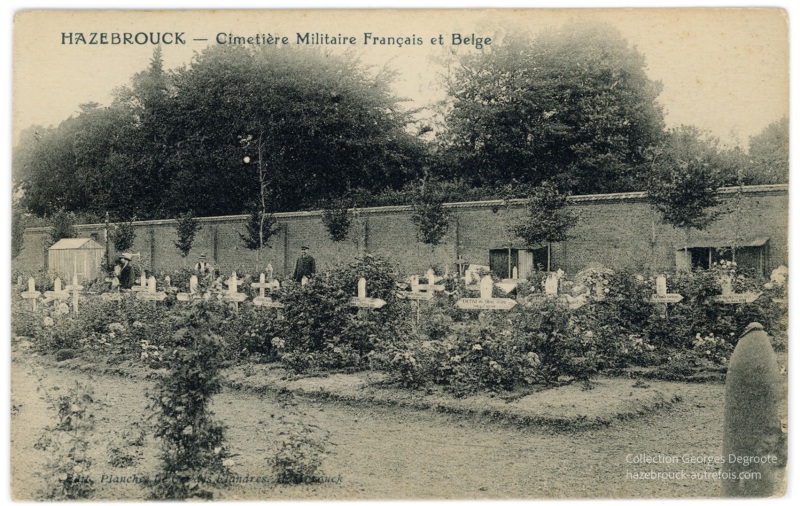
[126, 271]
[305, 265]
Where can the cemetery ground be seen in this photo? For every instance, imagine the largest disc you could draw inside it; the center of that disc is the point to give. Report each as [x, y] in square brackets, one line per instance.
[382, 451]
[360, 384]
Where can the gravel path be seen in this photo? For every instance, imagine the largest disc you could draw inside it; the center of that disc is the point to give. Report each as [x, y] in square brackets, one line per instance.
[386, 452]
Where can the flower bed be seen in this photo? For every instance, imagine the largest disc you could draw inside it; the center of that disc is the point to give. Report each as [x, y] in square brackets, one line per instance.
[541, 341]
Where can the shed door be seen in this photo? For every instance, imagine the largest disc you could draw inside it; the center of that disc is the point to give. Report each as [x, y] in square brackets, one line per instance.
[81, 265]
[499, 262]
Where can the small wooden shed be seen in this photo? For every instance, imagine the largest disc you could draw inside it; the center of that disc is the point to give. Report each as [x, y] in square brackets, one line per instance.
[82, 256]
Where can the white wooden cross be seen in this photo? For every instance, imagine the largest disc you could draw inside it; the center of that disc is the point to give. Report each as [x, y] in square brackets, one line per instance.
[31, 293]
[57, 293]
[661, 296]
[151, 293]
[486, 301]
[262, 285]
[430, 275]
[729, 297]
[233, 296]
[75, 289]
[193, 293]
[142, 286]
[364, 302]
[415, 296]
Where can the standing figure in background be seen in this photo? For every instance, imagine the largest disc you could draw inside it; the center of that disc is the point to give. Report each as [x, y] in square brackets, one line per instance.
[125, 271]
[305, 265]
[202, 267]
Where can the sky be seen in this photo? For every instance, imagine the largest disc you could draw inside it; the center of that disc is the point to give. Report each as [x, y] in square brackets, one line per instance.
[723, 71]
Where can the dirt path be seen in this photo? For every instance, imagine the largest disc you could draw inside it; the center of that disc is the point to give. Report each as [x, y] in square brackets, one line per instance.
[386, 452]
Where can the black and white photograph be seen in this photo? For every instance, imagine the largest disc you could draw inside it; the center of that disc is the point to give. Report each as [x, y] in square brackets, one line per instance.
[409, 254]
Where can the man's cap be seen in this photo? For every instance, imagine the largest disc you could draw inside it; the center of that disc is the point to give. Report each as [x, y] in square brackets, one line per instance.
[303, 247]
[202, 256]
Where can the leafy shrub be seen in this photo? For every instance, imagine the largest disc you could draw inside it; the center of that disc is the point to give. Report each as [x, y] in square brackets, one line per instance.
[192, 442]
[321, 328]
[67, 470]
[414, 364]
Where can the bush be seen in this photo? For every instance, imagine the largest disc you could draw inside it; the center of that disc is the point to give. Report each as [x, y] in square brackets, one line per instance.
[192, 442]
[322, 330]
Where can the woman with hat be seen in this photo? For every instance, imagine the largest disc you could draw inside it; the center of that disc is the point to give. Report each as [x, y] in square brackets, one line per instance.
[126, 271]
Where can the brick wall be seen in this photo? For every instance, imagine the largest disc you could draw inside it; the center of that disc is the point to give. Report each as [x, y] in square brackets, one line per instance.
[618, 230]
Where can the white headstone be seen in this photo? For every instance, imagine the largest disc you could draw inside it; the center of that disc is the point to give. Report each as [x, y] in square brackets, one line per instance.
[269, 272]
[57, 285]
[31, 285]
[193, 284]
[514, 273]
[151, 284]
[143, 281]
[486, 287]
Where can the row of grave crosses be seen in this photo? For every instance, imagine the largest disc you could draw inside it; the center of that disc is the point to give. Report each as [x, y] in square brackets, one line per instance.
[57, 293]
[146, 290]
[728, 296]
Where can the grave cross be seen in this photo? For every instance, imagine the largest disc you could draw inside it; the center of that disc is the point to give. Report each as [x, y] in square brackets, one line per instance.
[151, 293]
[56, 293]
[430, 275]
[262, 299]
[415, 296]
[486, 301]
[31, 293]
[730, 297]
[75, 288]
[551, 284]
[232, 295]
[661, 296]
[142, 286]
[193, 293]
[364, 302]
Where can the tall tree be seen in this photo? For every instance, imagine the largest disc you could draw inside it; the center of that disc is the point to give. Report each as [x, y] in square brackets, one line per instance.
[574, 105]
[322, 122]
[548, 218]
[768, 155]
[685, 178]
[175, 141]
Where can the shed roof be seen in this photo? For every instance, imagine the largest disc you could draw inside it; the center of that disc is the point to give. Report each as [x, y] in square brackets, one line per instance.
[76, 243]
[715, 242]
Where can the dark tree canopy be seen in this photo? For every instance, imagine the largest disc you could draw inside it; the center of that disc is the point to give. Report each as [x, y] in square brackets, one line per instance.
[174, 142]
[573, 106]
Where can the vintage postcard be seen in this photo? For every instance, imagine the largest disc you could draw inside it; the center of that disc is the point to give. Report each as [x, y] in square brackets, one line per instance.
[399, 254]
